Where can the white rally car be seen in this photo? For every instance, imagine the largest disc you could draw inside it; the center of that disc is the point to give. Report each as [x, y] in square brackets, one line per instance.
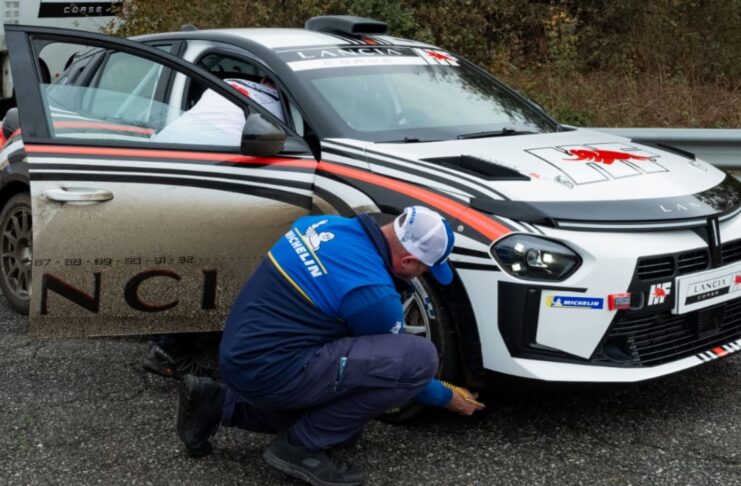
[579, 256]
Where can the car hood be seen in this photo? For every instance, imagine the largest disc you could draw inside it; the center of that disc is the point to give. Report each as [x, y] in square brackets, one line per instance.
[574, 175]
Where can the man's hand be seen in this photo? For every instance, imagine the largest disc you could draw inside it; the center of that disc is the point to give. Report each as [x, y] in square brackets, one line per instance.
[464, 404]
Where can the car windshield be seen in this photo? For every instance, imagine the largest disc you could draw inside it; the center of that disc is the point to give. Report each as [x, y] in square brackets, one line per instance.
[421, 102]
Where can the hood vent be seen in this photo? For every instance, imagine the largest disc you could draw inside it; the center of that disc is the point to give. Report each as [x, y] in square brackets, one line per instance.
[485, 169]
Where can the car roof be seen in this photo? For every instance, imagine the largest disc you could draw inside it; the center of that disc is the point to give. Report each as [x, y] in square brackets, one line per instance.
[281, 38]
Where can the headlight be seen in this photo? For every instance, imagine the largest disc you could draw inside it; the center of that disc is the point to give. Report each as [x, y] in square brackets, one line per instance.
[534, 258]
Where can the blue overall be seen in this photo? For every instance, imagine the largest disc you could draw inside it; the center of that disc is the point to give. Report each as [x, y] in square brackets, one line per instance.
[312, 344]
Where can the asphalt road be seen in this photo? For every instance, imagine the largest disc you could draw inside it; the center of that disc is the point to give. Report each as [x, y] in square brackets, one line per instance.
[80, 412]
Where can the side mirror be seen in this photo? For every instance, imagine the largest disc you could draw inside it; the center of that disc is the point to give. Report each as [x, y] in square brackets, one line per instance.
[261, 137]
[11, 123]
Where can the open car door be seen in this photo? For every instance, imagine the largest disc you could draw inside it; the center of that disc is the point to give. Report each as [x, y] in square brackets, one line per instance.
[140, 223]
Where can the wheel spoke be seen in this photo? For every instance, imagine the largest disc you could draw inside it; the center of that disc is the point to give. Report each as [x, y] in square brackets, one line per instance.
[13, 270]
[415, 316]
[16, 225]
[416, 330]
[26, 223]
[10, 239]
[408, 302]
[24, 280]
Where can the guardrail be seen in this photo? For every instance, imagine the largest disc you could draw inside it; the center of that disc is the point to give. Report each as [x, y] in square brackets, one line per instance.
[720, 147]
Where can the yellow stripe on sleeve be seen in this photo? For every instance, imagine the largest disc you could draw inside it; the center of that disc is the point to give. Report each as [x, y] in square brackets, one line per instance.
[287, 277]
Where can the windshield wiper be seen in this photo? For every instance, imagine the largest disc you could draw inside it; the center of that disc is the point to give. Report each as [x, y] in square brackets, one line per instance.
[493, 133]
[408, 140]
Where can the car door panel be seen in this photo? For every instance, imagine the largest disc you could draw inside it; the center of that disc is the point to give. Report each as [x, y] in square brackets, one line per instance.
[132, 236]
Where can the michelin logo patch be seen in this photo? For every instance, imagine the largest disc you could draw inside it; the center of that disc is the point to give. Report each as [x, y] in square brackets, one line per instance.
[307, 246]
[316, 238]
[572, 302]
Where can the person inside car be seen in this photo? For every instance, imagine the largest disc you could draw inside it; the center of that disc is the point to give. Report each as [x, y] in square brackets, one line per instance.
[214, 120]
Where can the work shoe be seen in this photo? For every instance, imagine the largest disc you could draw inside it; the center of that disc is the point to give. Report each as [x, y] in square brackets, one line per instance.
[199, 413]
[351, 442]
[160, 362]
[314, 467]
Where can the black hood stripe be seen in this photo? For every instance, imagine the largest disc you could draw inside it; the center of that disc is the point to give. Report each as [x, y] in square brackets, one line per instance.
[391, 202]
[473, 181]
[462, 186]
[467, 192]
[471, 253]
[470, 192]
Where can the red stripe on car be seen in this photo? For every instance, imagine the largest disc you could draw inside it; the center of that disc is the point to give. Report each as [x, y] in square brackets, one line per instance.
[455, 210]
[168, 154]
[477, 221]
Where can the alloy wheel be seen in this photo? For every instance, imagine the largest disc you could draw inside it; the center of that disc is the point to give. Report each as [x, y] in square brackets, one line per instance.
[16, 257]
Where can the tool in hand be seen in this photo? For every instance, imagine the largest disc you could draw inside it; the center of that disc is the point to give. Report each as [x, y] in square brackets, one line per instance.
[467, 396]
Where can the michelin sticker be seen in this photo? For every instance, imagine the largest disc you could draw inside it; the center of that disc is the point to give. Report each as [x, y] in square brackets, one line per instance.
[573, 302]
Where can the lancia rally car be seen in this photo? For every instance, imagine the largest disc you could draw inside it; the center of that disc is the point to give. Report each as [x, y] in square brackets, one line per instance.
[579, 256]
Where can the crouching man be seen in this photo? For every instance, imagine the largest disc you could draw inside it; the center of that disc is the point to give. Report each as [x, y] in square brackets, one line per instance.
[314, 349]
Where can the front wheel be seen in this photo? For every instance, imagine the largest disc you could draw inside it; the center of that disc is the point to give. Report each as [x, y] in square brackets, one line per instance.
[16, 257]
[426, 315]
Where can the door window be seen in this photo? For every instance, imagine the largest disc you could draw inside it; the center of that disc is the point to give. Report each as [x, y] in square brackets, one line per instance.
[133, 78]
[121, 99]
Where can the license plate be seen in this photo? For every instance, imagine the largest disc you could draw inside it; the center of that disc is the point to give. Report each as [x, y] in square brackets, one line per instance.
[704, 289]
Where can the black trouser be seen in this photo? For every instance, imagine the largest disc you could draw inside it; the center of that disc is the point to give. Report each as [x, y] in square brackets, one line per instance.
[323, 407]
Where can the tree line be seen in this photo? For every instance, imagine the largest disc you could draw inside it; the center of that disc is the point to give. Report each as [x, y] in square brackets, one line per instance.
[590, 62]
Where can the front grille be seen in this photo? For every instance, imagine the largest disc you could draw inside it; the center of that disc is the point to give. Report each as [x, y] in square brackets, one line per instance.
[651, 268]
[658, 267]
[693, 261]
[656, 339]
[731, 252]
[663, 266]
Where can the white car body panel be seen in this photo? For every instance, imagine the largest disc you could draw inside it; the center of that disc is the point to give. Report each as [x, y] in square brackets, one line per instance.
[583, 173]
[537, 156]
[576, 331]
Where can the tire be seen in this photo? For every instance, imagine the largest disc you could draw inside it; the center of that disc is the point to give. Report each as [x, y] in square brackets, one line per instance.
[16, 257]
[426, 315]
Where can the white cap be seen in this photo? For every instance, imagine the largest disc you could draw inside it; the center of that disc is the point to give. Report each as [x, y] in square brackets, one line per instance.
[427, 236]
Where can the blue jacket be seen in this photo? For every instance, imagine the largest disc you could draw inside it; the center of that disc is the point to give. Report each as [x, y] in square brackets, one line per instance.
[329, 277]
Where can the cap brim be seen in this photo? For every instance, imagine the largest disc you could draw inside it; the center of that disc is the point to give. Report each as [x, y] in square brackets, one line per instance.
[442, 272]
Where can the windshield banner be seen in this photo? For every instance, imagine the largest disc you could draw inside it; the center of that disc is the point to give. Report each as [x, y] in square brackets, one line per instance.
[338, 57]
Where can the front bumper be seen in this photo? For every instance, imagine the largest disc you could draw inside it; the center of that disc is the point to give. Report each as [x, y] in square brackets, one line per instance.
[524, 334]
[647, 337]
[589, 373]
